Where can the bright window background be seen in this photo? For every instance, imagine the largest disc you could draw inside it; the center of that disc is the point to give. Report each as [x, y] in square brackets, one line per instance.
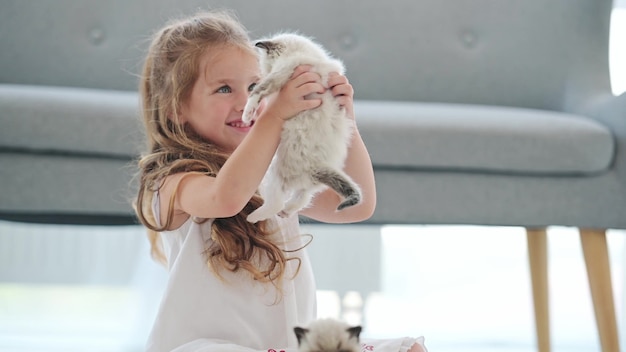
[617, 59]
[465, 288]
[75, 288]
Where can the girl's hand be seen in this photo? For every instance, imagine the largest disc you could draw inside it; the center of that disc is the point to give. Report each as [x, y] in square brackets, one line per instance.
[291, 99]
[344, 93]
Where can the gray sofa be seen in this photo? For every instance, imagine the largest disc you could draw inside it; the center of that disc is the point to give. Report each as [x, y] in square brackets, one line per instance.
[475, 112]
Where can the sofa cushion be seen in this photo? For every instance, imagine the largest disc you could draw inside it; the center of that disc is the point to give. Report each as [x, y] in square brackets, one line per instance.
[70, 120]
[431, 136]
[424, 136]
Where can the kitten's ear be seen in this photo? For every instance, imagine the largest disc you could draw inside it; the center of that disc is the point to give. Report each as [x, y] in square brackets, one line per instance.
[269, 46]
[354, 332]
[263, 45]
[300, 334]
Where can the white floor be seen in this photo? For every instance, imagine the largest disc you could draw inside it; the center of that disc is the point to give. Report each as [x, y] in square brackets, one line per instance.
[467, 288]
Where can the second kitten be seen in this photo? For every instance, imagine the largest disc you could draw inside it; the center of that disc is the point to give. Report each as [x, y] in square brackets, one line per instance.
[328, 335]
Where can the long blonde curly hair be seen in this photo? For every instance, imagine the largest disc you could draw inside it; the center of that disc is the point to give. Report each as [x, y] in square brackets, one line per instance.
[170, 70]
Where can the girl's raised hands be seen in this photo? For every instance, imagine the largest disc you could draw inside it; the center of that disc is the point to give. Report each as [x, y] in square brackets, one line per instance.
[292, 97]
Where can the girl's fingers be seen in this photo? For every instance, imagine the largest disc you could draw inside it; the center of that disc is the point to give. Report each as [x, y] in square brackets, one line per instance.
[335, 79]
[300, 91]
[312, 103]
[301, 69]
[339, 85]
[343, 100]
[313, 87]
[306, 77]
[342, 90]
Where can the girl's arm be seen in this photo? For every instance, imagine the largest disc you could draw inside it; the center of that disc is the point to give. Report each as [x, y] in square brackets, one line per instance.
[226, 194]
[358, 165]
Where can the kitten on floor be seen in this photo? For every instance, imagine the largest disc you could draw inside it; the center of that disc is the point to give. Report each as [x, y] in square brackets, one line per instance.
[328, 335]
[314, 143]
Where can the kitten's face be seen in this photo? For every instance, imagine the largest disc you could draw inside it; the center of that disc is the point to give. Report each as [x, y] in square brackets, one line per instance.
[287, 45]
[328, 335]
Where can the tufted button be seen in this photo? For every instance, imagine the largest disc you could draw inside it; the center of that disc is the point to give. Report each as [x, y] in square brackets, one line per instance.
[347, 41]
[469, 38]
[96, 36]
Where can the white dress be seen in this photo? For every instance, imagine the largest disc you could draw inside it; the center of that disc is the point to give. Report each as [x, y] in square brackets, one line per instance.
[199, 312]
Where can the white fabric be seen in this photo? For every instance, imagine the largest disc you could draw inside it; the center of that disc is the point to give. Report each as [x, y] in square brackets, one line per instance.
[201, 313]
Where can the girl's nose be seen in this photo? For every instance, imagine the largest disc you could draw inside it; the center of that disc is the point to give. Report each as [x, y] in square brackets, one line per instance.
[242, 99]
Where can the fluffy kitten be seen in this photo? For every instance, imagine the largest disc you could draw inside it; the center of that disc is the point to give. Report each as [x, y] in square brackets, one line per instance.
[314, 143]
[328, 335]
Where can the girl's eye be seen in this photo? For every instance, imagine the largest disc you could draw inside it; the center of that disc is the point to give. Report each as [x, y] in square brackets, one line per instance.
[224, 89]
[251, 87]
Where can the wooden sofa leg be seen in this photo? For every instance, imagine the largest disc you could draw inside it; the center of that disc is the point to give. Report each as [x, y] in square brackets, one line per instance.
[596, 255]
[538, 259]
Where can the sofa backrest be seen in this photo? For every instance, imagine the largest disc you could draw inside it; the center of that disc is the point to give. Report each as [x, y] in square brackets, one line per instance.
[530, 53]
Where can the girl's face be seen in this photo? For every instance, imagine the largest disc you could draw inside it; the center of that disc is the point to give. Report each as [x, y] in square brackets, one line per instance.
[218, 97]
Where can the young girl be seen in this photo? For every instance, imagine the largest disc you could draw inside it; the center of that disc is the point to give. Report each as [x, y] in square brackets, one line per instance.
[233, 285]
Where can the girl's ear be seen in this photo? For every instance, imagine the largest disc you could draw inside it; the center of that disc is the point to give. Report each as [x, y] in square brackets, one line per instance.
[178, 117]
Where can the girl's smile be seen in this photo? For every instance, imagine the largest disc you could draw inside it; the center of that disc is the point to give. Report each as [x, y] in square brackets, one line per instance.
[240, 125]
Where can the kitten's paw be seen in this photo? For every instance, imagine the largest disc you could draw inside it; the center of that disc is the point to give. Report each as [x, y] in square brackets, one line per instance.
[256, 216]
[249, 112]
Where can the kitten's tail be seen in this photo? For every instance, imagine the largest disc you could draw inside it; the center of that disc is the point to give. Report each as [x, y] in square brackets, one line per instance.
[340, 183]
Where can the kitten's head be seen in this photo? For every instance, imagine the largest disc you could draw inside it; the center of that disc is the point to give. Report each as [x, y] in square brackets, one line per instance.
[328, 335]
[286, 45]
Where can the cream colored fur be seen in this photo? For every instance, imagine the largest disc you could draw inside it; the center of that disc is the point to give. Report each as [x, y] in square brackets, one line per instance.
[314, 143]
